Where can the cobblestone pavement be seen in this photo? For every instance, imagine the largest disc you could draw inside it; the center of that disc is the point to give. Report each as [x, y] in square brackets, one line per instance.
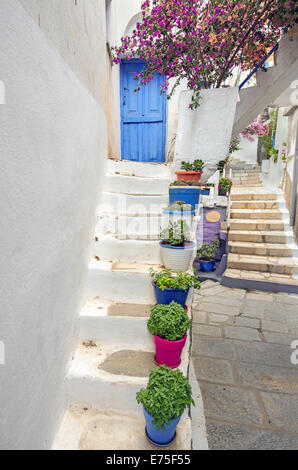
[241, 352]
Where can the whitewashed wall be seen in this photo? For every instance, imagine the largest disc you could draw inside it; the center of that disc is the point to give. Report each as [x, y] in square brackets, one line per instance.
[205, 132]
[248, 151]
[52, 150]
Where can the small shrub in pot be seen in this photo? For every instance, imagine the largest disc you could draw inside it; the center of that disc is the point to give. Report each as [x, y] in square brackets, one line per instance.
[165, 398]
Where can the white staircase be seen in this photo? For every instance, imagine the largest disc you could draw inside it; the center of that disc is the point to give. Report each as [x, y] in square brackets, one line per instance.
[116, 352]
[270, 84]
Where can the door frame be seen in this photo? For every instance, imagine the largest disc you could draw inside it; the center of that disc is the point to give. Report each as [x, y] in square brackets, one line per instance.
[165, 109]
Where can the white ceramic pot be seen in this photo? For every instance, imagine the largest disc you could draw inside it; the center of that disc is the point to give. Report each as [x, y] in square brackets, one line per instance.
[177, 258]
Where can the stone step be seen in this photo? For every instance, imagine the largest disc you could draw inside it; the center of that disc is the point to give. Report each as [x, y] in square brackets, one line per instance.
[264, 214]
[248, 185]
[136, 185]
[257, 225]
[274, 281]
[277, 265]
[109, 247]
[256, 204]
[139, 169]
[261, 236]
[120, 282]
[262, 249]
[246, 181]
[235, 196]
[131, 204]
[86, 428]
[121, 323]
[108, 376]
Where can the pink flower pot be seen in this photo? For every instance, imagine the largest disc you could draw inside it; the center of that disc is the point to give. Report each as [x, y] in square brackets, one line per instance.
[169, 352]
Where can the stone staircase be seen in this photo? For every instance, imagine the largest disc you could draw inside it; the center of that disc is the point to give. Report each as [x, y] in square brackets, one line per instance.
[116, 352]
[262, 251]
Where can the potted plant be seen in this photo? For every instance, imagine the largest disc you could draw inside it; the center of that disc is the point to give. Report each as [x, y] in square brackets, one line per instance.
[164, 400]
[186, 191]
[191, 171]
[205, 189]
[169, 287]
[224, 186]
[169, 325]
[206, 254]
[176, 248]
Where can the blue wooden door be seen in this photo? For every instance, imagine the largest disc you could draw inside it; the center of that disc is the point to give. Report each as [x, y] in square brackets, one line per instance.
[143, 116]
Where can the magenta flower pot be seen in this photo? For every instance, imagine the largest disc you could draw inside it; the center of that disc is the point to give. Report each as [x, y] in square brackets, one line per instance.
[169, 352]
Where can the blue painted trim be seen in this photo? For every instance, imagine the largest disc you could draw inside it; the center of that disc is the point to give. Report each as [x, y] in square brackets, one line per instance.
[274, 49]
[180, 212]
[190, 247]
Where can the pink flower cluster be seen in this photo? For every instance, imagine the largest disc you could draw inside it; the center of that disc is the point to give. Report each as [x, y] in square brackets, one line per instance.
[255, 129]
[201, 41]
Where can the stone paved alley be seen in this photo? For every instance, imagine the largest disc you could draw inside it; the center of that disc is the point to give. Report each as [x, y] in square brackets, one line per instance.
[241, 352]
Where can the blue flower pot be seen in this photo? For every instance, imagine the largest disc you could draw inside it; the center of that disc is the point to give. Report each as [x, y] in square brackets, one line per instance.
[189, 195]
[161, 437]
[169, 295]
[207, 266]
[205, 192]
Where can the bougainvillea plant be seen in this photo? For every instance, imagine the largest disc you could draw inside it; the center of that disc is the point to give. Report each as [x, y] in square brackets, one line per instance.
[203, 41]
[255, 129]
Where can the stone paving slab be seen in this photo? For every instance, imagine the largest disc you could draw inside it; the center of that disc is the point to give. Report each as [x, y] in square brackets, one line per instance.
[241, 350]
[223, 436]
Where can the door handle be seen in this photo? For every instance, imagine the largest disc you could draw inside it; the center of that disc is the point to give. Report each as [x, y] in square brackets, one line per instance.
[124, 100]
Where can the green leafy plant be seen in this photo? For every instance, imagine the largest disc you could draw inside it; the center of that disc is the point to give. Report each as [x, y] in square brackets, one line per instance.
[207, 252]
[180, 206]
[169, 322]
[225, 185]
[176, 234]
[268, 139]
[197, 165]
[186, 166]
[165, 279]
[166, 396]
[192, 183]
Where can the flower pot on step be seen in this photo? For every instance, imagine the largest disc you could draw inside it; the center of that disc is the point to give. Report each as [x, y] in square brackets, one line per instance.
[166, 296]
[207, 266]
[189, 175]
[177, 258]
[169, 352]
[160, 437]
[189, 195]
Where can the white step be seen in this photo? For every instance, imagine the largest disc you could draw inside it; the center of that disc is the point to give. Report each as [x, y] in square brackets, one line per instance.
[148, 226]
[88, 383]
[120, 282]
[86, 428]
[137, 185]
[106, 322]
[108, 247]
[119, 323]
[148, 170]
[131, 204]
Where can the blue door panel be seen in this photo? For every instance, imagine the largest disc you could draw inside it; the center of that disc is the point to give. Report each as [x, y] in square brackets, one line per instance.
[143, 117]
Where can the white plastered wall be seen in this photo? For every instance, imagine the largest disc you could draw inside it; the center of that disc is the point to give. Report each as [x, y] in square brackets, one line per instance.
[52, 150]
